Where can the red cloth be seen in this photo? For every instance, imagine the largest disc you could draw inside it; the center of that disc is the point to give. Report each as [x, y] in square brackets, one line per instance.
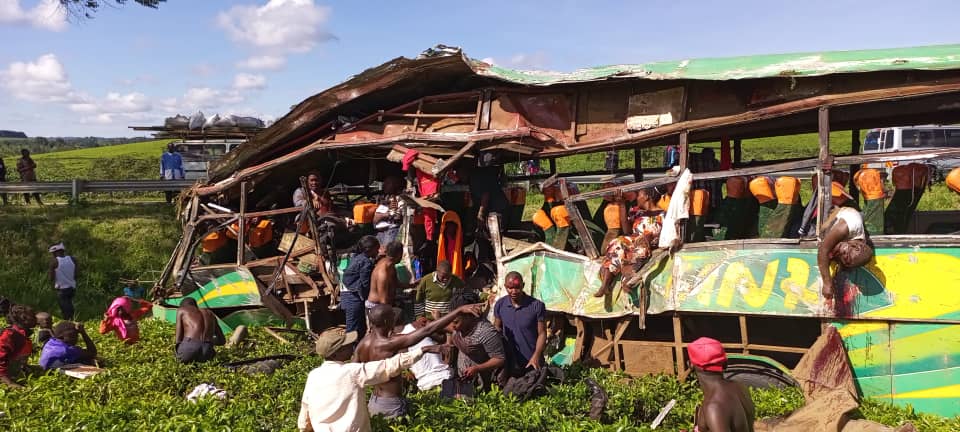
[14, 345]
[707, 354]
[408, 158]
[124, 324]
[430, 222]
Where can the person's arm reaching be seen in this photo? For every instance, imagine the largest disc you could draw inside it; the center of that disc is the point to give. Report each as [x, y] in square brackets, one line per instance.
[90, 352]
[179, 328]
[714, 420]
[834, 236]
[380, 371]
[52, 273]
[76, 268]
[407, 340]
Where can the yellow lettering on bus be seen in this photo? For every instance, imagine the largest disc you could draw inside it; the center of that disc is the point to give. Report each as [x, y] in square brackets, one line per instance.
[795, 284]
[737, 277]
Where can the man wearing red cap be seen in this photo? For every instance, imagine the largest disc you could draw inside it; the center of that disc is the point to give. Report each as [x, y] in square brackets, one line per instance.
[726, 406]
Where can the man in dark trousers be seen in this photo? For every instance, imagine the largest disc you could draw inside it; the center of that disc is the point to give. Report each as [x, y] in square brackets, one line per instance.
[522, 320]
[197, 332]
[63, 273]
[726, 406]
[356, 284]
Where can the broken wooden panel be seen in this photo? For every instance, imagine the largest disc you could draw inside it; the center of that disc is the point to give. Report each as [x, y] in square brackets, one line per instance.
[606, 111]
[654, 109]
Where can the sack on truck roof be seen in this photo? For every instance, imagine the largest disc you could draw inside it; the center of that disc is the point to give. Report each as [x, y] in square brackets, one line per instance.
[197, 120]
[176, 122]
[211, 122]
[248, 122]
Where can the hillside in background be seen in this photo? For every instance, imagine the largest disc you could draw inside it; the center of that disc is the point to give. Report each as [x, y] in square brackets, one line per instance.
[12, 134]
[136, 161]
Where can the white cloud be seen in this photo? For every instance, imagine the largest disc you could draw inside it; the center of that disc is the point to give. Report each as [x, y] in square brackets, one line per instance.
[205, 97]
[47, 15]
[203, 69]
[245, 81]
[537, 60]
[280, 27]
[263, 62]
[42, 80]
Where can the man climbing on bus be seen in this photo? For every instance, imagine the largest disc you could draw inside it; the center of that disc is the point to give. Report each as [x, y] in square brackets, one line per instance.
[844, 240]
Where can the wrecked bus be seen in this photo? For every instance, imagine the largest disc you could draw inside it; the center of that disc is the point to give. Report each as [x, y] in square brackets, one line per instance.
[759, 296]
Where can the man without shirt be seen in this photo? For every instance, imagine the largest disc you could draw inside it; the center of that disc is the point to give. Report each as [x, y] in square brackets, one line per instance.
[382, 343]
[727, 406]
[384, 282]
[197, 332]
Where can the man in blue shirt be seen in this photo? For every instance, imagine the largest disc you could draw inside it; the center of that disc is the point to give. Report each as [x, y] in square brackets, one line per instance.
[171, 168]
[356, 284]
[522, 320]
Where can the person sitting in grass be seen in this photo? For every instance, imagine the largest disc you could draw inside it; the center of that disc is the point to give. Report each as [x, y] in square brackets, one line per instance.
[15, 344]
[121, 318]
[727, 405]
[197, 331]
[62, 349]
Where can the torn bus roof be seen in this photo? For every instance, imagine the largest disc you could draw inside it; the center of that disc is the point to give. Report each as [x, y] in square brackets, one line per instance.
[938, 57]
[447, 71]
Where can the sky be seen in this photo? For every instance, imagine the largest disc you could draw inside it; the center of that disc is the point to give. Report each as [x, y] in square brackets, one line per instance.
[131, 65]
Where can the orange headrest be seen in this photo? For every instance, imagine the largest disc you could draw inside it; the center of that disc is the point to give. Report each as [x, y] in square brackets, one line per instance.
[788, 190]
[541, 220]
[611, 215]
[664, 202]
[762, 189]
[953, 180]
[560, 216]
[869, 182]
[737, 187]
[700, 201]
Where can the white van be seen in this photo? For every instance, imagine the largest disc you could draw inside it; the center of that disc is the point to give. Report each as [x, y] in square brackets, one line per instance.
[197, 155]
[909, 138]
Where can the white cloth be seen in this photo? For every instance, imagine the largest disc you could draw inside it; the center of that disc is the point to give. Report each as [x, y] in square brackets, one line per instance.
[387, 223]
[430, 370]
[333, 398]
[204, 390]
[854, 221]
[65, 273]
[679, 209]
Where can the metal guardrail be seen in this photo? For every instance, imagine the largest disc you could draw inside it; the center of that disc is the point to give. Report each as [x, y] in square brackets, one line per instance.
[76, 187]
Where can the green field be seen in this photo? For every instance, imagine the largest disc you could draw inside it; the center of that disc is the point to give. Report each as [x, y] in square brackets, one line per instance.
[136, 161]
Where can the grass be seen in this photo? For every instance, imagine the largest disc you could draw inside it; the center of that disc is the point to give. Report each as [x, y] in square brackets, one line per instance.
[109, 241]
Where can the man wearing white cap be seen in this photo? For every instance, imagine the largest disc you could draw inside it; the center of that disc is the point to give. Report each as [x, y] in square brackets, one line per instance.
[63, 274]
[333, 398]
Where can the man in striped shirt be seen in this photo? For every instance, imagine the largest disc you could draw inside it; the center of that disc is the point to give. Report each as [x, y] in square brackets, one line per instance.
[435, 291]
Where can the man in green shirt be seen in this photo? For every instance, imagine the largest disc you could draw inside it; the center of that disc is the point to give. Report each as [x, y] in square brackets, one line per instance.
[435, 291]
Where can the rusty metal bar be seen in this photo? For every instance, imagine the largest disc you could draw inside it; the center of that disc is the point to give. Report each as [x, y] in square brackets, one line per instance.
[242, 225]
[824, 168]
[251, 214]
[416, 120]
[737, 152]
[425, 116]
[854, 150]
[637, 164]
[678, 347]
[743, 334]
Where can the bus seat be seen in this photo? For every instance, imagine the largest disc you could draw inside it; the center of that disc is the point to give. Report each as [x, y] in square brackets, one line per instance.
[909, 180]
[870, 183]
[953, 180]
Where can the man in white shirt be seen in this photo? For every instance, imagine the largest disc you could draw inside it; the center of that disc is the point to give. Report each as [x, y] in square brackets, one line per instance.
[333, 398]
[844, 240]
[63, 274]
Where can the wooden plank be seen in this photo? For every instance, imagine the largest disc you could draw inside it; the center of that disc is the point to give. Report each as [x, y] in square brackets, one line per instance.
[442, 165]
[743, 334]
[684, 150]
[678, 347]
[586, 240]
[621, 328]
[581, 335]
[242, 225]
[737, 152]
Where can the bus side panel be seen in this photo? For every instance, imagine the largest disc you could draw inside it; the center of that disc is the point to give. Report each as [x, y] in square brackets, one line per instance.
[926, 367]
[868, 348]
